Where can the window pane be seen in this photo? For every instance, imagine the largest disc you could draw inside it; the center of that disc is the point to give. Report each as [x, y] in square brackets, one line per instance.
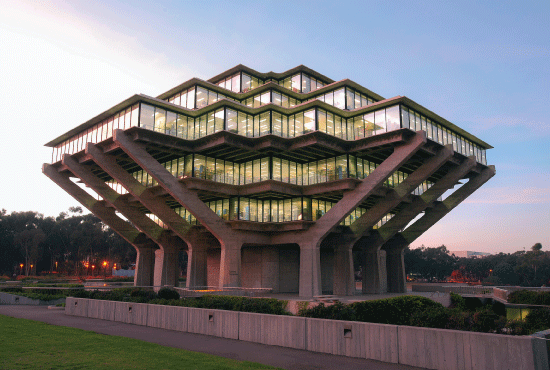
[182, 126]
[210, 123]
[322, 116]
[264, 170]
[232, 121]
[276, 169]
[306, 83]
[392, 118]
[299, 123]
[256, 171]
[277, 99]
[264, 123]
[160, 120]
[339, 99]
[236, 83]
[265, 98]
[349, 99]
[380, 121]
[219, 120]
[309, 121]
[171, 119]
[191, 99]
[147, 118]
[277, 123]
[242, 123]
[358, 127]
[202, 97]
[296, 83]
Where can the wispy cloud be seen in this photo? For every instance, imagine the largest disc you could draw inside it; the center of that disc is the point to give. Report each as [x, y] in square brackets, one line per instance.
[511, 195]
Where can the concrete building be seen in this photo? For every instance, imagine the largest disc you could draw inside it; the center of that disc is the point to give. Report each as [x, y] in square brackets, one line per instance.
[470, 254]
[270, 180]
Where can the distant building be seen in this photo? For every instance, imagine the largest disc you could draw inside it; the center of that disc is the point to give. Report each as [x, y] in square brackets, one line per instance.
[470, 254]
[270, 180]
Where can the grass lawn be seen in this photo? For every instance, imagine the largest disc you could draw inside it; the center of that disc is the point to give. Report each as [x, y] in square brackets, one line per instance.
[27, 344]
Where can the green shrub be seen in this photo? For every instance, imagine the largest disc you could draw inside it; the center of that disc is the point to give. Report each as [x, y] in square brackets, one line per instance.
[538, 319]
[529, 297]
[168, 293]
[485, 320]
[457, 301]
[431, 317]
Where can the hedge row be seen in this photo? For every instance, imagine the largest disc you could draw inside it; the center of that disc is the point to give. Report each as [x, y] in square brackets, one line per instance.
[463, 315]
[167, 296]
[529, 297]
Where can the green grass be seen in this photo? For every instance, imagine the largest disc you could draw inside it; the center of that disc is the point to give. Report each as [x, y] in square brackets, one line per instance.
[27, 344]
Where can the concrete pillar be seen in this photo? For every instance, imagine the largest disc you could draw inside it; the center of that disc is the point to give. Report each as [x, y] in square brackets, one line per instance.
[396, 271]
[344, 279]
[144, 267]
[374, 272]
[196, 267]
[310, 271]
[166, 267]
[230, 265]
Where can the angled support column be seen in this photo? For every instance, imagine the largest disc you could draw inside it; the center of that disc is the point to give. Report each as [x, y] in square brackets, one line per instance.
[392, 200]
[167, 215]
[166, 259]
[397, 243]
[310, 270]
[343, 274]
[178, 191]
[143, 246]
[353, 198]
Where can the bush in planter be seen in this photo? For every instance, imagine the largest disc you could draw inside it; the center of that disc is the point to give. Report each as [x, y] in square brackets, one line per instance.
[336, 311]
[538, 319]
[168, 293]
[432, 317]
[485, 320]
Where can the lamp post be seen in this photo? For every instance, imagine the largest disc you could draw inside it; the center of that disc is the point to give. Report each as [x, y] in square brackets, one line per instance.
[105, 264]
[21, 269]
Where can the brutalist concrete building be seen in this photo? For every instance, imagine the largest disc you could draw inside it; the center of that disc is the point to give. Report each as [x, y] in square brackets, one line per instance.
[271, 180]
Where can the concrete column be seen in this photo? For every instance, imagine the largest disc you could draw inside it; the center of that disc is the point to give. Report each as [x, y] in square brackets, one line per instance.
[166, 267]
[310, 270]
[344, 279]
[230, 265]
[396, 271]
[374, 272]
[144, 267]
[196, 267]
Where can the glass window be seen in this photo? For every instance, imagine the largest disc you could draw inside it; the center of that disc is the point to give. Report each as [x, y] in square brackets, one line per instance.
[212, 97]
[202, 97]
[285, 132]
[277, 123]
[285, 171]
[357, 102]
[296, 83]
[264, 123]
[380, 121]
[199, 166]
[352, 167]
[309, 121]
[232, 121]
[306, 83]
[191, 99]
[202, 125]
[236, 83]
[160, 120]
[248, 172]
[277, 99]
[219, 118]
[287, 204]
[291, 126]
[242, 123]
[292, 172]
[358, 127]
[370, 127]
[191, 128]
[349, 99]
[299, 123]
[182, 126]
[392, 118]
[276, 171]
[147, 118]
[265, 98]
[284, 101]
[322, 116]
[256, 170]
[360, 173]
[171, 126]
[246, 82]
[188, 166]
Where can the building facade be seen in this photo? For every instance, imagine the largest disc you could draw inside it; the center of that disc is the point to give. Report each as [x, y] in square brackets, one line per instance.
[271, 180]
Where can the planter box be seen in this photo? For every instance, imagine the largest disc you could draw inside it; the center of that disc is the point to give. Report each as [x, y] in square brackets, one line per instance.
[284, 331]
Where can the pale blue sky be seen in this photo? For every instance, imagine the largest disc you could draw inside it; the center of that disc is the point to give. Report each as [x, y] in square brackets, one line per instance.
[484, 66]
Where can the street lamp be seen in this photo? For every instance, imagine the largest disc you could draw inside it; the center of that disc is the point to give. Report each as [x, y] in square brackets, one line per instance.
[21, 269]
[93, 267]
[31, 268]
[105, 269]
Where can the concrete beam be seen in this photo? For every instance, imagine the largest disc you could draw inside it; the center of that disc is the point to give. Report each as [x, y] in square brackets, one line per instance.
[434, 214]
[143, 246]
[310, 270]
[182, 195]
[393, 198]
[158, 207]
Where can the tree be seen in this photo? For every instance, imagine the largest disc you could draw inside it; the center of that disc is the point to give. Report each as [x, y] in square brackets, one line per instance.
[430, 263]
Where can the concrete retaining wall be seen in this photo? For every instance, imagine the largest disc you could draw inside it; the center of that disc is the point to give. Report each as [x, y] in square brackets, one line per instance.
[13, 299]
[422, 347]
[284, 331]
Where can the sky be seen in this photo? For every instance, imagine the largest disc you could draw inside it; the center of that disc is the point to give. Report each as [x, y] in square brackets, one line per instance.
[485, 66]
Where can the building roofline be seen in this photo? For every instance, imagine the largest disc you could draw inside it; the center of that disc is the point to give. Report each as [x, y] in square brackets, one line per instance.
[271, 74]
[229, 103]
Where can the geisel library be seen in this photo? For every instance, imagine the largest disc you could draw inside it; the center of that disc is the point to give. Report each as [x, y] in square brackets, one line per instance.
[270, 180]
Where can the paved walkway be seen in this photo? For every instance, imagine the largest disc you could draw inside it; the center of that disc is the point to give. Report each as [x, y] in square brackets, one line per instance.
[286, 358]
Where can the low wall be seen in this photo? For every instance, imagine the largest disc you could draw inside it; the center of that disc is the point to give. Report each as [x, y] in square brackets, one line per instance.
[422, 347]
[9, 299]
